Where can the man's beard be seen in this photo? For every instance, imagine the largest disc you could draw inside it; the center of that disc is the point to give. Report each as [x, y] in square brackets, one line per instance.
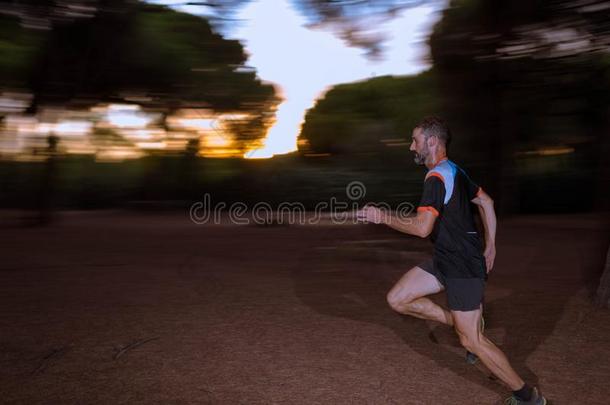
[420, 159]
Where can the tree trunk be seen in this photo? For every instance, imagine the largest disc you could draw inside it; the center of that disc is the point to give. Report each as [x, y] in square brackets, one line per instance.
[603, 291]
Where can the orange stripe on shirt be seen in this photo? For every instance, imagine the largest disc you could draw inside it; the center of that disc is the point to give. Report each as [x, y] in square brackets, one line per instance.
[435, 174]
[429, 209]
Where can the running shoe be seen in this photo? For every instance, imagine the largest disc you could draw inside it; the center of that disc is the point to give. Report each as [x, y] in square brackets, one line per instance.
[537, 399]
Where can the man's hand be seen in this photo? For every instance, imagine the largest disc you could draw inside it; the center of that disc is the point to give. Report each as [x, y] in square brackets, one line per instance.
[490, 256]
[370, 213]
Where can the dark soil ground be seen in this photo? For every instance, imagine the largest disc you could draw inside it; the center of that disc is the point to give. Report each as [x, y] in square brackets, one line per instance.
[110, 307]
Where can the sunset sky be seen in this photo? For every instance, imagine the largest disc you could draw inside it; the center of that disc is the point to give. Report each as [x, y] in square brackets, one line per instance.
[303, 63]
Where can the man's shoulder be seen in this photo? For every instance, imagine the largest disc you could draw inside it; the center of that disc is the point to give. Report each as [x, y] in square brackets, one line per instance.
[445, 171]
[434, 174]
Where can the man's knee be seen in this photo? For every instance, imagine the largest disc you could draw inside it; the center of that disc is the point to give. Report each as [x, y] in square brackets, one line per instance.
[401, 302]
[470, 343]
[393, 300]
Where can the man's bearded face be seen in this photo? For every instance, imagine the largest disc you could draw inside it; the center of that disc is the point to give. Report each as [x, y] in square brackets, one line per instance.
[419, 147]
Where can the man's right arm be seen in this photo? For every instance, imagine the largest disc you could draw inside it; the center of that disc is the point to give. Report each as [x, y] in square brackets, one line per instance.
[488, 216]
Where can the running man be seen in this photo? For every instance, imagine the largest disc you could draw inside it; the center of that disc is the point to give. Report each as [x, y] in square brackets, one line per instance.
[459, 265]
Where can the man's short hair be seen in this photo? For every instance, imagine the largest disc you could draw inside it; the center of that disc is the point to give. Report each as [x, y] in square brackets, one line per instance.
[434, 126]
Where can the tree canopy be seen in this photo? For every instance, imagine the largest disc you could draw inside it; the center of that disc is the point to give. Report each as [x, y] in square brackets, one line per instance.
[125, 50]
[369, 115]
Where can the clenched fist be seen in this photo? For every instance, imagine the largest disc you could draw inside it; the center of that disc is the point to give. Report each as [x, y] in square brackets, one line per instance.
[370, 213]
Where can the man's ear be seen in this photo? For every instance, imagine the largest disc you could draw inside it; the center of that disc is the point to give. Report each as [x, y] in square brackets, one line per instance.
[431, 141]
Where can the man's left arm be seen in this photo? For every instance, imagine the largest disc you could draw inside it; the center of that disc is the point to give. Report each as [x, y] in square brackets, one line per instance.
[488, 216]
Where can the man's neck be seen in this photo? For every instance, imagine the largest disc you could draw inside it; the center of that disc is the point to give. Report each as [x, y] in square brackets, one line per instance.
[436, 158]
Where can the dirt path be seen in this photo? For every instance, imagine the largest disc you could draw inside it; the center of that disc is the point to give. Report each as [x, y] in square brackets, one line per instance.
[122, 308]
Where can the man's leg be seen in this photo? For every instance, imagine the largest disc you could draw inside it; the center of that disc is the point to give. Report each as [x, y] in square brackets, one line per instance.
[408, 296]
[467, 326]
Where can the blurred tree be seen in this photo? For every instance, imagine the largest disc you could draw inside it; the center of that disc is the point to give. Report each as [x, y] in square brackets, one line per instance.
[46, 192]
[368, 116]
[517, 75]
[136, 52]
[18, 48]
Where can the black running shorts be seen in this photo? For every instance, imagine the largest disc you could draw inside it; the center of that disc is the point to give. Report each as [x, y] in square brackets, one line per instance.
[463, 294]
